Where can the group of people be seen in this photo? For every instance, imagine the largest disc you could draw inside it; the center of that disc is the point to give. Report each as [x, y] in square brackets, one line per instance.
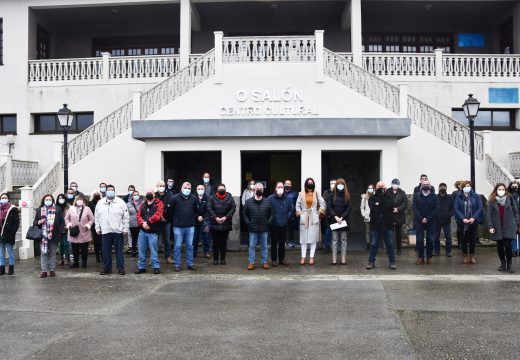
[206, 212]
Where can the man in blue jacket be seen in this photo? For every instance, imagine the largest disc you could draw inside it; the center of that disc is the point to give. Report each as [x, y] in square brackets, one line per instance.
[425, 206]
[282, 208]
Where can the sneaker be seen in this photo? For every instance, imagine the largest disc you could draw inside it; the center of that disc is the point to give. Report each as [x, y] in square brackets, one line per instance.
[140, 271]
[122, 272]
[370, 266]
[393, 266]
[192, 267]
[105, 272]
[156, 271]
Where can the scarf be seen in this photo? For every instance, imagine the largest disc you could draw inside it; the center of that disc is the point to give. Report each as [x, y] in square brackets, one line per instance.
[4, 209]
[48, 215]
[467, 210]
[501, 200]
[220, 197]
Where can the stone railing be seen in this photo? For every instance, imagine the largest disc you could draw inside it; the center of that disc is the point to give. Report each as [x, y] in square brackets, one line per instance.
[496, 173]
[48, 183]
[269, 49]
[444, 127]
[487, 66]
[65, 69]
[3, 178]
[514, 163]
[181, 82]
[340, 69]
[24, 173]
[134, 67]
[392, 64]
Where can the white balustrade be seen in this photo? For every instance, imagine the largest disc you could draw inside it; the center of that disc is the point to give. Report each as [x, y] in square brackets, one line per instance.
[514, 164]
[347, 55]
[134, 67]
[340, 69]
[48, 183]
[24, 173]
[486, 66]
[65, 69]
[3, 177]
[495, 173]
[394, 64]
[269, 49]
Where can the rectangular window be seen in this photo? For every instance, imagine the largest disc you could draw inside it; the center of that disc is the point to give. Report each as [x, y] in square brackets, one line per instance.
[138, 45]
[407, 43]
[42, 43]
[7, 124]
[488, 119]
[1, 41]
[48, 123]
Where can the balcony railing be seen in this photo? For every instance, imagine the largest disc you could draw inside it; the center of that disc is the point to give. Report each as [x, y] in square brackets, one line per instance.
[514, 163]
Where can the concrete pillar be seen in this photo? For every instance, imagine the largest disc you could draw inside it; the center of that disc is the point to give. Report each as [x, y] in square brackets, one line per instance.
[438, 64]
[58, 157]
[319, 55]
[106, 66]
[7, 159]
[26, 251]
[219, 35]
[311, 166]
[136, 105]
[516, 29]
[185, 33]
[403, 100]
[231, 176]
[356, 32]
[488, 141]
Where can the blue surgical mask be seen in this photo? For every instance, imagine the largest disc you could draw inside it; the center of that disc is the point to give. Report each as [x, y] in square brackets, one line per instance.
[370, 190]
[70, 196]
[340, 187]
[206, 180]
[467, 189]
[136, 198]
[102, 190]
[186, 192]
[48, 202]
[111, 193]
[4, 201]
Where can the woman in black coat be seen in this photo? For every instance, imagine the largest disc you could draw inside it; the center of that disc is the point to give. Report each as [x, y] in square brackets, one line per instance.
[9, 223]
[221, 208]
[502, 219]
[338, 210]
[49, 218]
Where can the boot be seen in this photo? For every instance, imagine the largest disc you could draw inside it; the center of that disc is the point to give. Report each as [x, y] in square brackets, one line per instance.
[2, 270]
[502, 265]
[11, 270]
[510, 267]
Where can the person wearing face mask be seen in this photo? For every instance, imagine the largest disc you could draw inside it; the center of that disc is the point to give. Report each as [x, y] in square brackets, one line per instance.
[49, 218]
[149, 218]
[183, 209]
[64, 244]
[206, 182]
[128, 197]
[381, 220]
[9, 224]
[502, 218]
[325, 228]
[201, 223]
[400, 202]
[169, 186]
[221, 208]
[444, 215]
[165, 234]
[457, 192]
[133, 208]
[425, 207]
[514, 192]
[249, 192]
[111, 219]
[258, 214]
[365, 213]
[74, 187]
[292, 225]
[94, 199]
[80, 216]
[422, 179]
[310, 208]
[103, 189]
[282, 208]
[338, 210]
[469, 213]
[70, 196]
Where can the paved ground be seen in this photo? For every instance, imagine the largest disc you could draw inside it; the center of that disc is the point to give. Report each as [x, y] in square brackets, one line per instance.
[443, 311]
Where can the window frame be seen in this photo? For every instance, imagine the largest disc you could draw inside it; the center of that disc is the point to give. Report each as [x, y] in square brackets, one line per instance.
[403, 40]
[2, 132]
[57, 127]
[512, 119]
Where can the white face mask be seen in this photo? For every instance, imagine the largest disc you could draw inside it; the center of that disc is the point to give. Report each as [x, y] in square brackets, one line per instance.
[79, 202]
[370, 190]
[61, 201]
[340, 187]
[252, 186]
[279, 191]
[161, 189]
[501, 193]
[395, 186]
[200, 192]
[136, 197]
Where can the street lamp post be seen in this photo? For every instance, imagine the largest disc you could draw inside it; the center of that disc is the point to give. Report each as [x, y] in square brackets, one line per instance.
[65, 118]
[471, 106]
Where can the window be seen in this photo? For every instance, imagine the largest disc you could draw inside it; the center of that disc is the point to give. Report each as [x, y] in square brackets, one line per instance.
[1, 41]
[138, 45]
[407, 43]
[7, 124]
[488, 119]
[48, 123]
[42, 43]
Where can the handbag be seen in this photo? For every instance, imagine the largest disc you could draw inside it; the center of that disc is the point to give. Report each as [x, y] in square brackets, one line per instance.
[34, 233]
[74, 231]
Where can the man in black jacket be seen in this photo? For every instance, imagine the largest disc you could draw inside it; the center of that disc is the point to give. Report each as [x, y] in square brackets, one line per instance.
[423, 178]
[425, 218]
[400, 201]
[201, 223]
[444, 215]
[183, 208]
[258, 215]
[166, 228]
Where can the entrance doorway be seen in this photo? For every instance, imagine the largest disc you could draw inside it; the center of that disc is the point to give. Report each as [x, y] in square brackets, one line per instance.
[268, 167]
[358, 168]
[189, 166]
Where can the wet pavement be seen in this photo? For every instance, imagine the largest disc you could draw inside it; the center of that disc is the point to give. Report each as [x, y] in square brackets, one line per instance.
[447, 310]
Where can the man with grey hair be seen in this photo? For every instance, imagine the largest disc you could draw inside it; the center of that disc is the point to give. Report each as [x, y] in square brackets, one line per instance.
[183, 208]
[165, 231]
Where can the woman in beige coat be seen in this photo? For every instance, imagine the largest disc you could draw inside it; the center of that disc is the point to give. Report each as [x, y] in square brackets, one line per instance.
[79, 242]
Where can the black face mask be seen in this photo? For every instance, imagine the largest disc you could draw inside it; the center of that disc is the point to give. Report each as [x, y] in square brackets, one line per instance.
[149, 197]
[514, 189]
[442, 191]
[221, 191]
[287, 188]
[310, 186]
[259, 192]
[380, 191]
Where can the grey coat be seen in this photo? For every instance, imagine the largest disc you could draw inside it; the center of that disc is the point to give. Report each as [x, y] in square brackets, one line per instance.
[133, 209]
[508, 230]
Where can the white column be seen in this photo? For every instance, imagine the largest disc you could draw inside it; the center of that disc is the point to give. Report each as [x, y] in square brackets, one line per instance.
[8, 160]
[355, 32]
[311, 165]
[26, 251]
[185, 33]
[106, 66]
[218, 56]
[438, 64]
[319, 55]
[516, 29]
[403, 100]
[58, 157]
[488, 141]
[231, 171]
[136, 105]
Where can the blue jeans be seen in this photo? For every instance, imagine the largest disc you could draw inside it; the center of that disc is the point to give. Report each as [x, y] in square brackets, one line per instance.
[196, 238]
[327, 237]
[430, 229]
[446, 228]
[117, 241]
[144, 241]
[375, 236]
[10, 251]
[165, 236]
[183, 235]
[253, 239]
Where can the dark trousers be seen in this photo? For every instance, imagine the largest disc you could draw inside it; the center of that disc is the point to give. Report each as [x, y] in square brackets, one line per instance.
[97, 242]
[469, 238]
[398, 231]
[460, 235]
[421, 229]
[219, 244]
[278, 237]
[292, 225]
[116, 240]
[505, 250]
[134, 233]
[76, 249]
[446, 228]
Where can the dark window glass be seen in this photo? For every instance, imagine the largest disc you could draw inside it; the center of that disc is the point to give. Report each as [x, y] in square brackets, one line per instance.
[502, 118]
[7, 124]
[42, 43]
[48, 123]
[84, 120]
[498, 119]
[408, 43]
[483, 118]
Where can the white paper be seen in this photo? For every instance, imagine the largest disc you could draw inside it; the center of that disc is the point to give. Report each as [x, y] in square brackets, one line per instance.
[336, 226]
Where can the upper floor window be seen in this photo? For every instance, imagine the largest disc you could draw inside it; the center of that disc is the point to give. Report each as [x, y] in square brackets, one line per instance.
[42, 43]
[135, 46]
[407, 43]
[48, 123]
[488, 119]
[7, 124]
[1, 41]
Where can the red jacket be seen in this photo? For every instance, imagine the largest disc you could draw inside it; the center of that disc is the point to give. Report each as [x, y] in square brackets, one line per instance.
[151, 214]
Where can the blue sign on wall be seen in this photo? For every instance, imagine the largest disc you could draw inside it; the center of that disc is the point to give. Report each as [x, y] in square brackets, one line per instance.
[472, 40]
[503, 95]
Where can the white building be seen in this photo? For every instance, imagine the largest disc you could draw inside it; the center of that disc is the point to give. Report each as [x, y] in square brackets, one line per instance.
[269, 90]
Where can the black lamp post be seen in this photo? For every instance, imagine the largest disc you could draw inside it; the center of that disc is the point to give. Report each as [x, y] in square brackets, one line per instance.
[65, 118]
[471, 106]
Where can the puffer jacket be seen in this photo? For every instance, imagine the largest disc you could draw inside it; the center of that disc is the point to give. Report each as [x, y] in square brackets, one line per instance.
[258, 214]
[220, 208]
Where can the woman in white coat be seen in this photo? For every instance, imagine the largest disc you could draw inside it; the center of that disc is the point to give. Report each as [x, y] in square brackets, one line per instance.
[309, 206]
